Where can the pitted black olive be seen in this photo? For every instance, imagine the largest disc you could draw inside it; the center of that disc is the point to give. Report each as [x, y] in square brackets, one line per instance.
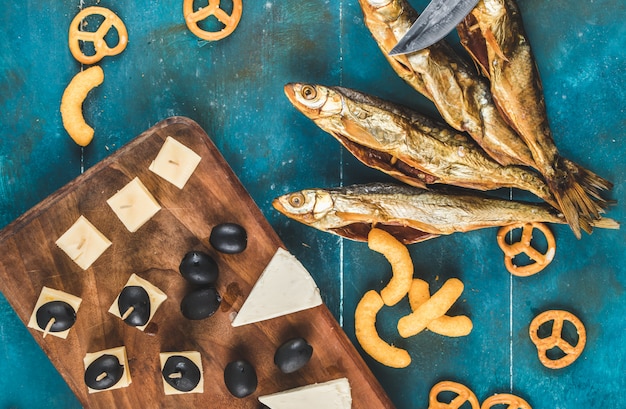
[181, 373]
[293, 355]
[199, 268]
[104, 372]
[63, 314]
[200, 303]
[240, 378]
[136, 297]
[229, 238]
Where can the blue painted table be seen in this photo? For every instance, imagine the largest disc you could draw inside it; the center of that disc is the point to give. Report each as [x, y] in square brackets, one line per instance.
[234, 89]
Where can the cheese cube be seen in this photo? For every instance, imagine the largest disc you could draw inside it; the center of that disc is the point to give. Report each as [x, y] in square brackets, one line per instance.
[175, 162]
[47, 295]
[120, 354]
[194, 357]
[83, 243]
[156, 297]
[134, 205]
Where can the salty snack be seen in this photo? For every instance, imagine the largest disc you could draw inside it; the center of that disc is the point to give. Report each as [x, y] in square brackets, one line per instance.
[512, 401]
[410, 214]
[401, 264]
[181, 372]
[240, 378]
[555, 340]
[200, 303]
[213, 9]
[72, 104]
[292, 355]
[524, 245]
[78, 36]
[106, 370]
[366, 334]
[456, 326]
[463, 395]
[494, 35]
[435, 307]
[199, 268]
[409, 146]
[229, 238]
[54, 312]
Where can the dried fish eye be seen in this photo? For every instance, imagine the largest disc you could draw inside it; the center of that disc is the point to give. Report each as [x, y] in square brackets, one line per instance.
[296, 200]
[309, 92]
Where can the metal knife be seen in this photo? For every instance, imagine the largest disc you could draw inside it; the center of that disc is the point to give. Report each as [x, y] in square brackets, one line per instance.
[438, 19]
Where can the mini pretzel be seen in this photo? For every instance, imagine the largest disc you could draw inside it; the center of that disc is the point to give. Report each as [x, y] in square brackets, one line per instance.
[555, 339]
[102, 49]
[230, 21]
[513, 402]
[464, 394]
[541, 260]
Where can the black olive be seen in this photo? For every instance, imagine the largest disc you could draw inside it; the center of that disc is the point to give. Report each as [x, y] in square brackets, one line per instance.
[63, 314]
[240, 378]
[189, 373]
[200, 303]
[293, 355]
[104, 372]
[199, 268]
[229, 238]
[137, 297]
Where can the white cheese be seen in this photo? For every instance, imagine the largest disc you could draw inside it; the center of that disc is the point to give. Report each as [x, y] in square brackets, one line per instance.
[175, 162]
[284, 287]
[194, 357]
[134, 205]
[83, 243]
[47, 295]
[120, 353]
[156, 297]
[333, 394]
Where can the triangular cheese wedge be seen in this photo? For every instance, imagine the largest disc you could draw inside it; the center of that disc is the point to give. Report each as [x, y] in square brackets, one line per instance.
[284, 287]
[328, 395]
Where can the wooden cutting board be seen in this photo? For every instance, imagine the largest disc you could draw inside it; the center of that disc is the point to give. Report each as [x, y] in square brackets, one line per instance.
[31, 260]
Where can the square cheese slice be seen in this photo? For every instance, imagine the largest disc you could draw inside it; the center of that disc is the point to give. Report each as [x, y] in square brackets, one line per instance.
[156, 297]
[284, 287]
[333, 394]
[175, 162]
[134, 205]
[83, 243]
[120, 353]
[194, 357]
[47, 295]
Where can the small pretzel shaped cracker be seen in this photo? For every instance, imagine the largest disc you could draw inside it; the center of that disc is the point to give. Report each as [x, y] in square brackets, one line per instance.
[464, 394]
[102, 49]
[555, 339]
[541, 260]
[512, 401]
[230, 21]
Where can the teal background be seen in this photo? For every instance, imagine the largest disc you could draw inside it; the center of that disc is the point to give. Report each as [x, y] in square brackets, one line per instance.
[234, 89]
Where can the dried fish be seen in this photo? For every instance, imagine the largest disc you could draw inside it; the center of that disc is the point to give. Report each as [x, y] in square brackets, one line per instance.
[495, 36]
[405, 144]
[410, 214]
[461, 96]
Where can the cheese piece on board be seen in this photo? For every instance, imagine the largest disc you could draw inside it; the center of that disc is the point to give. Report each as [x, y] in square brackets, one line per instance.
[120, 353]
[47, 295]
[284, 287]
[156, 297]
[194, 357]
[175, 162]
[83, 243]
[134, 205]
[333, 394]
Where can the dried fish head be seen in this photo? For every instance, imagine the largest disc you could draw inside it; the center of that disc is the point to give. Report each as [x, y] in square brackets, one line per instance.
[313, 101]
[306, 206]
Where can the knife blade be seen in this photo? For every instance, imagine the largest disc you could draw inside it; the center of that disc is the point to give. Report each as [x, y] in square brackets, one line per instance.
[438, 19]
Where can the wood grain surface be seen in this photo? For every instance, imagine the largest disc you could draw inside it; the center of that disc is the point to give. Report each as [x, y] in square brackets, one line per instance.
[212, 195]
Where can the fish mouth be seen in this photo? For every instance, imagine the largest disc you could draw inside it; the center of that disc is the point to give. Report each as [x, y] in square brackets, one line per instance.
[387, 163]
